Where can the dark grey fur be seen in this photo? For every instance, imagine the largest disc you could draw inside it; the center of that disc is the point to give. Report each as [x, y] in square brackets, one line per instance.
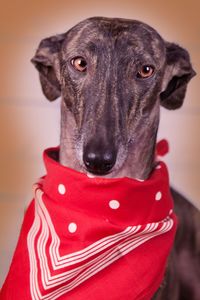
[109, 113]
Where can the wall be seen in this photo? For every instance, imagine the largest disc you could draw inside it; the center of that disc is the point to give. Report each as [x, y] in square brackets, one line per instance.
[29, 123]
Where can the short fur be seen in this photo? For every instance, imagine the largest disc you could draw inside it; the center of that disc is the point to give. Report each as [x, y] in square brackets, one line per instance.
[110, 112]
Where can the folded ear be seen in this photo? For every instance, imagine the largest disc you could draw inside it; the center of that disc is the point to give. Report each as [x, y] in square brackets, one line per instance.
[178, 73]
[46, 62]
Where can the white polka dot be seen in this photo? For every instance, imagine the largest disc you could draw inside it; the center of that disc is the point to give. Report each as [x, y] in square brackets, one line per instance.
[158, 196]
[72, 227]
[114, 204]
[61, 189]
[158, 167]
[171, 211]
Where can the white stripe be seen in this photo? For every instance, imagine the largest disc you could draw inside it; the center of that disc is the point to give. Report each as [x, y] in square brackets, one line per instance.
[45, 263]
[54, 247]
[99, 267]
[106, 251]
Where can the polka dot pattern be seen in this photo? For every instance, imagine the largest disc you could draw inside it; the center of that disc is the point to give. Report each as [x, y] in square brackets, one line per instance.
[158, 196]
[111, 204]
[72, 227]
[114, 204]
[158, 167]
[61, 189]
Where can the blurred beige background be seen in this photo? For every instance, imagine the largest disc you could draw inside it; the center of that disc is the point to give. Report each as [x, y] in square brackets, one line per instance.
[29, 123]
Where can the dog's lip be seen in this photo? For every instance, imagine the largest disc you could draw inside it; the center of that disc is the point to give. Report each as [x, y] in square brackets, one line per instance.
[90, 175]
[94, 175]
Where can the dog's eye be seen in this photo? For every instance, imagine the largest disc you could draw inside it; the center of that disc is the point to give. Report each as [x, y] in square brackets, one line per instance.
[79, 64]
[145, 72]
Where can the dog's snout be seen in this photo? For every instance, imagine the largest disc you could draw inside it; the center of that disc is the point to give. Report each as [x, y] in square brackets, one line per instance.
[98, 159]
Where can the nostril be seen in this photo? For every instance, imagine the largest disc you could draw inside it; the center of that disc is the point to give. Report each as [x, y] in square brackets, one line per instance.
[89, 158]
[108, 159]
[99, 161]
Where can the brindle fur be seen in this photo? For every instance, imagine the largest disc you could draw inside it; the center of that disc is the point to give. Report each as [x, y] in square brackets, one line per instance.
[110, 108]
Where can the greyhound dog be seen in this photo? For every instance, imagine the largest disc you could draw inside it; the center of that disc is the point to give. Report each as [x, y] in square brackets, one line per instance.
[113, 75]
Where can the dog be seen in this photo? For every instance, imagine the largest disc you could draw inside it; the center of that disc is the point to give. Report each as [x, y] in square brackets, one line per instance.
[113, 75]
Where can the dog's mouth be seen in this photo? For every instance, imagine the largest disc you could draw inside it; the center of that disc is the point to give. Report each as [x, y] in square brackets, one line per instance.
[98, 172]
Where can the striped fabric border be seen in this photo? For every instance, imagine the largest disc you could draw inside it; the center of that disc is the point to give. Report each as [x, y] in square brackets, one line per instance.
[52, 275]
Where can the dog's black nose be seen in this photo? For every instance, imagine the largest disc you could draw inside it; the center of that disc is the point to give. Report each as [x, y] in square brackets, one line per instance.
[99, 160]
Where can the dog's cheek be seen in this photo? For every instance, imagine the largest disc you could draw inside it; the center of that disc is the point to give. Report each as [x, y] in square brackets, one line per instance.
[69, 92]
[152, 103]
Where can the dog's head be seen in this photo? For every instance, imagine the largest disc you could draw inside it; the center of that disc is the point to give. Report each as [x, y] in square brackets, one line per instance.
[113, 75]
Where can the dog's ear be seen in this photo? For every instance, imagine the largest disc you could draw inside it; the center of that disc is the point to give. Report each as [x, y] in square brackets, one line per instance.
[178, 73]
[46, 62]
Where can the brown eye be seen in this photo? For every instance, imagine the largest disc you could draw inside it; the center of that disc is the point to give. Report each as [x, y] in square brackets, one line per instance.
[79, 63]
[145, 72]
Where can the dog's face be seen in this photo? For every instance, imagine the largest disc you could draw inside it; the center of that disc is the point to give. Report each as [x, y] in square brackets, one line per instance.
[112, 74]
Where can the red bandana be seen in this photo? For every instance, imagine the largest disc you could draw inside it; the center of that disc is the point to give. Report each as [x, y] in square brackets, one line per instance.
[93, 238]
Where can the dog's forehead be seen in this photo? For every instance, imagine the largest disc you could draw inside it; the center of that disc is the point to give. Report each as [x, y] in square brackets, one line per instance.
[100, 30]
